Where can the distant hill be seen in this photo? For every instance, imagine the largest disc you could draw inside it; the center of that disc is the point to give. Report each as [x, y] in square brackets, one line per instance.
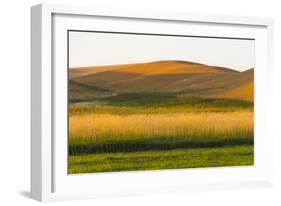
[81, 71]
[181, 77]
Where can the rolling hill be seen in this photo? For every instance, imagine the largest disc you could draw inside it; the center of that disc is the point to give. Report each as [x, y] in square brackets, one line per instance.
[180, 77]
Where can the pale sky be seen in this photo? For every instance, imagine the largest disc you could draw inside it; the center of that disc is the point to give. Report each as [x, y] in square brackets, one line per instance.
[97, 49]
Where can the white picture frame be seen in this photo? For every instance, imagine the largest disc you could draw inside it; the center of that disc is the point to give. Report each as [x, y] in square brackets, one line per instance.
[50, 181]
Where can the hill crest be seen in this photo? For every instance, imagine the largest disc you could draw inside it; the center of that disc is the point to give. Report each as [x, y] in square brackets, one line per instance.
[150, 68]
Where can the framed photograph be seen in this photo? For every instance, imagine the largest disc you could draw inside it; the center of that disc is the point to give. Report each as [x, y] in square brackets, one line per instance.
[136, 102]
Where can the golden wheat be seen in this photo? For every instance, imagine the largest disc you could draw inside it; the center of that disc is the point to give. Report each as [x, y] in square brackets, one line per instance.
[94, 126]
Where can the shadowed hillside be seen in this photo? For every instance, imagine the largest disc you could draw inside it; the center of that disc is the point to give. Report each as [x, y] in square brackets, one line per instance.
[80, 92]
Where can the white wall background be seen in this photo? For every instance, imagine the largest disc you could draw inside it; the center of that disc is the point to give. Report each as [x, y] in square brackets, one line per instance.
[15, 101]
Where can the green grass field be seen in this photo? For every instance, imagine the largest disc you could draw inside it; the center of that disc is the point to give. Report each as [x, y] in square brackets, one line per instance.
[156, 160]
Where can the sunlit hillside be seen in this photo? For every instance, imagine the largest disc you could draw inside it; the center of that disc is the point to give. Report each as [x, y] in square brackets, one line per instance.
[181, 77]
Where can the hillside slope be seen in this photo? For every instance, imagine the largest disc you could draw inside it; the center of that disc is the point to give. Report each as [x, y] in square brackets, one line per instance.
[183, 78]
[244, 92]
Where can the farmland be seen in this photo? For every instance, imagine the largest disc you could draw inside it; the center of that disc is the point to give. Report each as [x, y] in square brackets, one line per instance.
[121, 125]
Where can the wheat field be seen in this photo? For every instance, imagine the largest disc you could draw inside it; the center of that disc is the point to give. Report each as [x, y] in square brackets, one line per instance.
[97, 126]
[117, 133]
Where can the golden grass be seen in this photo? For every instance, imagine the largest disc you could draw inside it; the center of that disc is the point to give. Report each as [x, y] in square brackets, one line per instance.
[95, 126]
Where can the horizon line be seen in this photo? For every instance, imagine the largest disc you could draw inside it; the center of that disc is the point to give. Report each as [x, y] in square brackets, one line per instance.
[147, 62]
